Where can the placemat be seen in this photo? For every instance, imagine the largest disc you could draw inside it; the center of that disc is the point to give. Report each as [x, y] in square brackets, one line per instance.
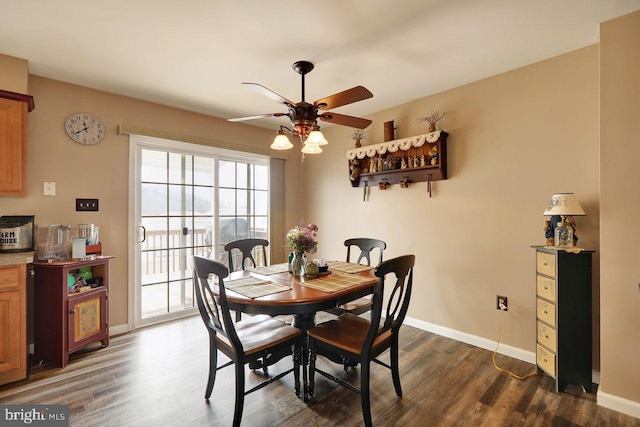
[271, 269]
[334, 282]
[252, 287]
[347, 267]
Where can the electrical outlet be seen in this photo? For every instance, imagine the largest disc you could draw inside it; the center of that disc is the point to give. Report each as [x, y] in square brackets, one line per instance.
[87, 205]
[501, 303]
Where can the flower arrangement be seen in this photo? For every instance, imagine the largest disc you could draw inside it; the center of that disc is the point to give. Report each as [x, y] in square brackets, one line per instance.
[303, 238]
[358, 135]
[432, 119]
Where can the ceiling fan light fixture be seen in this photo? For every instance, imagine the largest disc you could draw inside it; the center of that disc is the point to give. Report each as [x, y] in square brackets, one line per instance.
[281, 141]
[316, 137]
[311, 149]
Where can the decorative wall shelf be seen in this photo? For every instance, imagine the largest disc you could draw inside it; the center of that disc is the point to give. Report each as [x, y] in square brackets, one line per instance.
[430, 146]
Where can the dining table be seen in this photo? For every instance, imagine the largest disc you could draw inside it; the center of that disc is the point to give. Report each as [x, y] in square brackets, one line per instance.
[273, 290]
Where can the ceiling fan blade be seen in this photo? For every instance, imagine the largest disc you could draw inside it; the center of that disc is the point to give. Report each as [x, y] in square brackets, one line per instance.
[257, 116]
[348, 96]
[344, 120]
[268, 93]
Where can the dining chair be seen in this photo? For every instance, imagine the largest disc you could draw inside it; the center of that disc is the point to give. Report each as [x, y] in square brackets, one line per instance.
[257, 339]
[366, 246]
[246, 248]
[358, 339]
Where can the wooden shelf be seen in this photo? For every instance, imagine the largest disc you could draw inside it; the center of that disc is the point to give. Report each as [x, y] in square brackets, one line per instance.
[416, 146]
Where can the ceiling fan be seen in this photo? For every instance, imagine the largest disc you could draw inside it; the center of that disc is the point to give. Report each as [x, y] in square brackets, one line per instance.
[304, 116]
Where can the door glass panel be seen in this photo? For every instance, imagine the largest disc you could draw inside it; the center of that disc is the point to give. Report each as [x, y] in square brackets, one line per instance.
[190, 205]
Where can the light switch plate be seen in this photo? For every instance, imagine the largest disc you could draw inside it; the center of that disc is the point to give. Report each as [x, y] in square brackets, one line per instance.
[49, 188]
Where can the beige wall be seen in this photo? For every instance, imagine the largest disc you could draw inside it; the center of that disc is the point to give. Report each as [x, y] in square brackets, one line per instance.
[14, 74]
[620, 201]
[102, 171]
[515, 139]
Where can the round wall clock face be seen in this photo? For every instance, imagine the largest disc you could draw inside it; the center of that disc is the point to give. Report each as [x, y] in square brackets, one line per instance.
[84, 128]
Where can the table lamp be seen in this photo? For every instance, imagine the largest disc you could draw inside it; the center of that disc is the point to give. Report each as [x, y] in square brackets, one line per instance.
[564, 205]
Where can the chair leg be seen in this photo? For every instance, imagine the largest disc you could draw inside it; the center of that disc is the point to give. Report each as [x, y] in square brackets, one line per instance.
[296, 368]
[239, 406]
[364, 392]
[395, 372]
[238, 316]
[312, 369]
[213, 367]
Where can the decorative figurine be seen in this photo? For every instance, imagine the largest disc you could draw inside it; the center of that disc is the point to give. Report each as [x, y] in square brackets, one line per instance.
[403, 164]
[423, 162]
[433, 155]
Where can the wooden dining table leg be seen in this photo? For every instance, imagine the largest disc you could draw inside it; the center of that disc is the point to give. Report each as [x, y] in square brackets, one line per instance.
[304, 322]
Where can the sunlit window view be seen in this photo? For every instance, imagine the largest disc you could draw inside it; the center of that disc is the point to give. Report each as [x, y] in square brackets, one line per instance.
[192, 205]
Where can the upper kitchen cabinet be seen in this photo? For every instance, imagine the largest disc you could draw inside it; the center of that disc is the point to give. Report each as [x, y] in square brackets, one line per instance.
[14, 125]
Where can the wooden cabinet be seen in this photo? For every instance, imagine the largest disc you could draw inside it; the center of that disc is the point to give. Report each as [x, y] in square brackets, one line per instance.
[425, 159]
[68, 321]
[13, 323]
[563, 316]
[13, 142]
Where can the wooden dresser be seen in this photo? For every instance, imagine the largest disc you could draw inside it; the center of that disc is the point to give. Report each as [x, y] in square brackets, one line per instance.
[563, 316]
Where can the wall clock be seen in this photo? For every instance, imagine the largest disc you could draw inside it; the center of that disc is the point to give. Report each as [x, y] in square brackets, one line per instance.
[84, 128]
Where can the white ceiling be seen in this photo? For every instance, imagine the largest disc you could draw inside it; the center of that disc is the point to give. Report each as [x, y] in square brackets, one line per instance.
[193, 54]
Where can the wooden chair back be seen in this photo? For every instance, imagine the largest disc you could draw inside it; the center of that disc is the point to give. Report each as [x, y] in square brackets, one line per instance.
[366, 245]
[246, 247]
[400, 272]
[214, 308]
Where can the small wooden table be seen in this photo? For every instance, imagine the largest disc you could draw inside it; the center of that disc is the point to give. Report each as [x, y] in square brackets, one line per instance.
[300, 301]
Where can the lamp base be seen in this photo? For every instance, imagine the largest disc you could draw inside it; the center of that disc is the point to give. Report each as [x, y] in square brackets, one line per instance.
[563, 234]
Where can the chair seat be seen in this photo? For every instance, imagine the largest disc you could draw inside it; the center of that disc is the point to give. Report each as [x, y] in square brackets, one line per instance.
[259, 332]
[347, 332]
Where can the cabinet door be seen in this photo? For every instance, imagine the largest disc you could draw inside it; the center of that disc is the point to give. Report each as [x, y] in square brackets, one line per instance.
[87, 319]
[13, 146]
[13, 356]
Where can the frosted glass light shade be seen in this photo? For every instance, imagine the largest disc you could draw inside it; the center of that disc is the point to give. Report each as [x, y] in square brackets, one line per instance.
[281, 142]
[311, 149]
[316, 138]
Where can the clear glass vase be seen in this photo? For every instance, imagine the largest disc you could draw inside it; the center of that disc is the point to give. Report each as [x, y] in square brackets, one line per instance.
[298, 264]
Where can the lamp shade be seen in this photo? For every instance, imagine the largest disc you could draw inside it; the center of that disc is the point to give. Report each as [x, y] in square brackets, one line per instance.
[281, 142]
[317, 138]
[311, 149]
[564, 204]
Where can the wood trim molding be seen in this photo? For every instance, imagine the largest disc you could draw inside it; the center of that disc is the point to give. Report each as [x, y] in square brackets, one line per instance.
[28, 99]
[125, 129]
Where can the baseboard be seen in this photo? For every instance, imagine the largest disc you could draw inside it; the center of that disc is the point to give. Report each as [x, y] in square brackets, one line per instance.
[619, 404]
[507, 350]
[118, 329]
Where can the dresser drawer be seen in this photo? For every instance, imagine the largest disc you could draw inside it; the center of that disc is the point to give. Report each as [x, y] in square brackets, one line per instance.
[546, 287]
[546, 360]
[546, 312]
[547, 336]
[546, 263]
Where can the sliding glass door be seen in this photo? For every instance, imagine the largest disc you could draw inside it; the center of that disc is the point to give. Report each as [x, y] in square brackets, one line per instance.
[188, 200]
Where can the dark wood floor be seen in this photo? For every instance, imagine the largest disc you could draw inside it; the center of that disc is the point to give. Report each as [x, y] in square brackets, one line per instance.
[157, 376]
